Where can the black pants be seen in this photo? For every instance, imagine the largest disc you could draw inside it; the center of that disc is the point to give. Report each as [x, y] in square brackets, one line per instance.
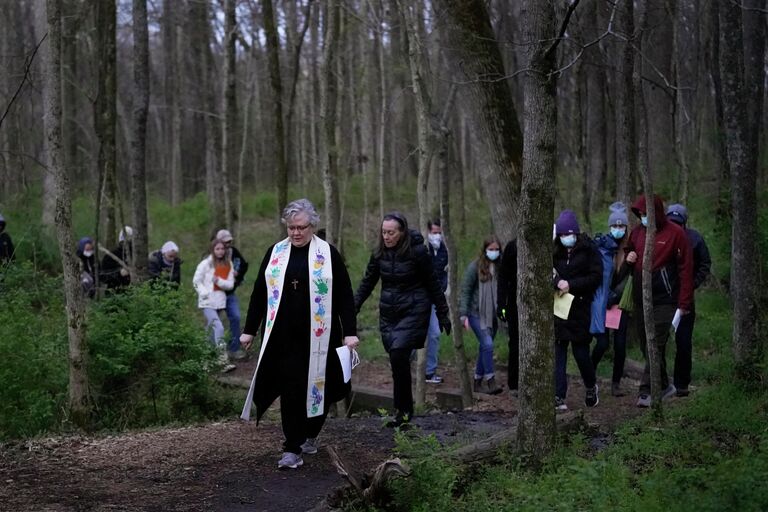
[619, 347]
[513, 365]
[400, 361]
[581, 355]
[293, 414]
[684, 353]
[662, 318]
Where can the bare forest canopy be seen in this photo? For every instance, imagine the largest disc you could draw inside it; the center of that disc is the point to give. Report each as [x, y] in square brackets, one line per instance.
[240, 97]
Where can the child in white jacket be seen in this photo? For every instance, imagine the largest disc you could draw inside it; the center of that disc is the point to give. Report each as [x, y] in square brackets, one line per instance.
[215, 275]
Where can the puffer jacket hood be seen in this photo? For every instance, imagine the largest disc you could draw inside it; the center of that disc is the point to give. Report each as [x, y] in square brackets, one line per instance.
[658, 204]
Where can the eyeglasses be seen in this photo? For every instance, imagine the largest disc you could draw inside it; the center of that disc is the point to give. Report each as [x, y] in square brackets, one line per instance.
[299, 228]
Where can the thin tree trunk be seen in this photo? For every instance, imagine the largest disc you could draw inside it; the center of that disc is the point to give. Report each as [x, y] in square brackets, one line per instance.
[295, 68]
[171, 41]
[742, 157]
[644, 169]
[722, 169]
[382, 110]
[626, 140]
[273, 55]
[79, 404]
[229, 131]
[139, 139]
[106, 110]
[536, 430]
[328, 114]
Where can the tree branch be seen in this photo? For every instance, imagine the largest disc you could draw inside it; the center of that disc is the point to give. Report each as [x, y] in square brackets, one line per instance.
[24, 79]
[563, 27]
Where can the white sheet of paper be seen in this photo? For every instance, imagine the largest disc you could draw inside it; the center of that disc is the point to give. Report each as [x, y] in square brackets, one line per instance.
[563, 305]
[676, 319]
[345, 356]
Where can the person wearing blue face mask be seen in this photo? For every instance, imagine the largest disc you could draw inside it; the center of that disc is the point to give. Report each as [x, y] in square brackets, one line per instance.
[578, 271]
[615, 277]
[477, 310]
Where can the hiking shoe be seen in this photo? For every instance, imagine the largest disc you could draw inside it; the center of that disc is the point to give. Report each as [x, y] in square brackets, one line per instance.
[478, 387]
[682, 392]
[669, 392]
[644, 400]
[290, 461]
[592, 398]
[490, 387]
[560, 405]
[433, 378]
[616, 389]
[310, 446]
[227, 367]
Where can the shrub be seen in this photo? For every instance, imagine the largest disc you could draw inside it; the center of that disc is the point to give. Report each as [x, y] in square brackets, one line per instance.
[149, 360]
[33, 351]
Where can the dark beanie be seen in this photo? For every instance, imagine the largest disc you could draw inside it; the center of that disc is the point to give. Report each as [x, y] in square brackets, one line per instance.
[677, 213]
[566, 223]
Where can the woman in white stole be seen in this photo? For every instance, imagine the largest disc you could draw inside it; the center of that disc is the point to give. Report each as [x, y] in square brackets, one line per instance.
[303, 298]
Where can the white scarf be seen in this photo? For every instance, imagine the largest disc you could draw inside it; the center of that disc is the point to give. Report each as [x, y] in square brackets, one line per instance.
[320, 294]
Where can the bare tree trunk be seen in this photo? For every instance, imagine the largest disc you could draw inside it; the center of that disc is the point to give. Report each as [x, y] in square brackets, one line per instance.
[723, 171]
[229, 131]
[685, 45]
[79, 405]
[139, 139]
[596, 132]
[536, 425]
[171, 41]
[479, 59]
[295, 68]
[742, 157]
[49, 203]
[626, 140]
[754, 20]
[105, 110]
[382, 141]
[650, 235]
[328, 114]
[273, 54]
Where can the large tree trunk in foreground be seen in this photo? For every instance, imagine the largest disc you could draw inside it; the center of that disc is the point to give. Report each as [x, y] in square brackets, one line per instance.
[742, 157]
[79, 405]
[536, 431]
[479, 60]
[139, 139]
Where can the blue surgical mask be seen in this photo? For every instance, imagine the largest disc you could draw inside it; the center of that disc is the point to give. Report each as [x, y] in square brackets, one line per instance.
[618, 233]
[568, 240]
[644, 220]
[492, 255]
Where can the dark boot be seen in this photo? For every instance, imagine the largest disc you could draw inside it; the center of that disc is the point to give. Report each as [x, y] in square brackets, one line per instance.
[478, 388]
[491, 387]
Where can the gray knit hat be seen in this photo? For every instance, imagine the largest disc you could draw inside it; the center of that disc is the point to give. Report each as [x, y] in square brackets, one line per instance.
[677, 213]
[618, 214]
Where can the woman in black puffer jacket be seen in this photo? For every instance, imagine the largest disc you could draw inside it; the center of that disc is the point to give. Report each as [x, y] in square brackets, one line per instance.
[409, 287]
[578, 271]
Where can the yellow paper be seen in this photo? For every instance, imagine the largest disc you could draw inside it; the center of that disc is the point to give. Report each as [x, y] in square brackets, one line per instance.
[563, 305]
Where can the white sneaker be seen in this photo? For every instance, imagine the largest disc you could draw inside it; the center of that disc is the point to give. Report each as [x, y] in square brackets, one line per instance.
[290, 461]
[560, 404]
[669, 392]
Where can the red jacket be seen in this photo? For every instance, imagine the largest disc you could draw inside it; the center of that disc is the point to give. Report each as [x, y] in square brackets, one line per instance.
[672, 257]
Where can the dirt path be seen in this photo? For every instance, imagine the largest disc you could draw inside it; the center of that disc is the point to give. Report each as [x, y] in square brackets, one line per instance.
[232, 465]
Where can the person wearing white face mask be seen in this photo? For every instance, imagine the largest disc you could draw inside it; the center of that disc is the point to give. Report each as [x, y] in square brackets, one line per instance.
[477, 309]
[439, 254]
[87, 266]
[615, 276]
[578, 271]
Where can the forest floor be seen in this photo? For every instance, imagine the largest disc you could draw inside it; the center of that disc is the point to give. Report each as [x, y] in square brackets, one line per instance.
[232, 465]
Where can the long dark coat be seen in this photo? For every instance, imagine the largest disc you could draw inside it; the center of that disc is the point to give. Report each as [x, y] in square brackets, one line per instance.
[583, 269]
[287, 352]
[409, 287]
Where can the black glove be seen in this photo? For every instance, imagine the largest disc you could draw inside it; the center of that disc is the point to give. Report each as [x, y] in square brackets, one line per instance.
[501, 313]
[445, 325]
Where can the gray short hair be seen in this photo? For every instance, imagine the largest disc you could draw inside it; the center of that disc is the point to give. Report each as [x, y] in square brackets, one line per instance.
[300, 206]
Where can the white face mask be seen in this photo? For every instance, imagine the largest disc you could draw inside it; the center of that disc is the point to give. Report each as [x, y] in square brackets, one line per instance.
[568, 240]
[492, 255]
[435, 239]
[87, 254]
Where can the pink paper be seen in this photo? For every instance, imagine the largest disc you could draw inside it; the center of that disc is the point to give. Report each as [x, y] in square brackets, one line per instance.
[613, 317]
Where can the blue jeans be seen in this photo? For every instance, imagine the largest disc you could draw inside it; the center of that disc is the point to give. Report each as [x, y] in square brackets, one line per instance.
[433, 343]
[581, 355]
[233, 315]
[214, 325]
[484, 367]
